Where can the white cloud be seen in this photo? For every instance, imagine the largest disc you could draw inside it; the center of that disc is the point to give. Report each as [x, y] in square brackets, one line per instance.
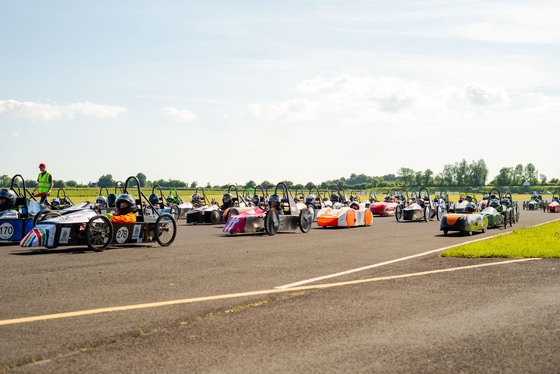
[290, 110]
[49, 112]
[483, 94]
[15, 134]
[181, 115]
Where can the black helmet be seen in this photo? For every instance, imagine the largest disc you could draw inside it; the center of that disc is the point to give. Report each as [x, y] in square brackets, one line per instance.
[494, 203]
[274, 201]
[468, 198]
[256, 199]
[355, 205]
[111, 200]
[388, 198]
[153, 199]
[100, 199]
[352, 198]
[7, 199]
[125, 204]
[334, 198]
[227, 198]
[310, 199]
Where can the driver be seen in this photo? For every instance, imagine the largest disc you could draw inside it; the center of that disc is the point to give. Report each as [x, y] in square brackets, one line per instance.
[388, 199]
[196, 199]
[55, 203]
[154, 200]
[7, 199]
[355, 205]
[111, 198]
[334, 198]
[256, 200]
[495, 204]
[101, 200]
[170, 199]
[227, 201]
[274, 202]
[126, 205]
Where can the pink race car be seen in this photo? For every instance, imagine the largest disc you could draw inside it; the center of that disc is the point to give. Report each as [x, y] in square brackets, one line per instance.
[387, 207]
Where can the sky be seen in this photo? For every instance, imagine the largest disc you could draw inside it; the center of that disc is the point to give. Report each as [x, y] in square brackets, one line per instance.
[232, 91]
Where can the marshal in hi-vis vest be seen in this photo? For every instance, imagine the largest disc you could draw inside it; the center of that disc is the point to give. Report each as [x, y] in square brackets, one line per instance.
[44, 184]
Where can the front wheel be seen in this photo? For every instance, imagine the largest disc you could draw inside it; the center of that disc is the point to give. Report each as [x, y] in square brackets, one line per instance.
[399, 213]
[305, 220]
[272, 222]
[166, 229]
[44, 215]
[427, 214]
[99, 233]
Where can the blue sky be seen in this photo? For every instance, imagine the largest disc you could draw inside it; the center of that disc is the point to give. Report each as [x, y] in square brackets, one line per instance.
[228, 91]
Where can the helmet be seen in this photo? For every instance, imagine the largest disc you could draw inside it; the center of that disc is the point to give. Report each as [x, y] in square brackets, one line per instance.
[470, 207]
[402, 197]
[355, 205]
[325, 199]
[334, 198]
[297, 199]
[125, 203]
[256, 199]
[505, 201]
[494, 203]
[227, 199]
[7, 199]
[274, 201]
[485, 197]
[535, 196]
[55, 202]
[352, 198]
[555, 198]
[100, 199]
[170, 199]
[388, 199]
[468, 198]
[196, 198]
[310, 199]
[153, 199]
[413, 198]
[111, 200]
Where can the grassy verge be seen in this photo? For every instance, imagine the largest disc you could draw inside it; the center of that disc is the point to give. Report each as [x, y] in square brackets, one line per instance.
[541, 241]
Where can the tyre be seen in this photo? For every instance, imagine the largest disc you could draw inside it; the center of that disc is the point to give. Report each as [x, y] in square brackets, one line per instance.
[165, 230]
[445, 232]
[43, 215]
[505, 219]
[232, 212]
[215, 217]
[439, 213]
[399, 213]
[511, 218]
[427, 213]
[174, 212]
[272, 222]
[99, 233]
[305, 220]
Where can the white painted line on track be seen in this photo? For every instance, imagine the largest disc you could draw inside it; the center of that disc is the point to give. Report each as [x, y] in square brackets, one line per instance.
[89, 312]
[367, 267]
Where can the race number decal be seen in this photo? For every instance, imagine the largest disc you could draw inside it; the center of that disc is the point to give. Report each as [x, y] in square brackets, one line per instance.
[136, 231]
[122, 235]
[64, 235]
[6, 230]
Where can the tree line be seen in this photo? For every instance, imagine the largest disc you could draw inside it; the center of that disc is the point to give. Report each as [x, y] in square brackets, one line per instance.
[459, 174]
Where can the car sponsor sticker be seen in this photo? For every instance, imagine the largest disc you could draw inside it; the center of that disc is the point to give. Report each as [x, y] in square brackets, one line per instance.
[122, 235]
[6, 230]
[64, 235]
[136, 231]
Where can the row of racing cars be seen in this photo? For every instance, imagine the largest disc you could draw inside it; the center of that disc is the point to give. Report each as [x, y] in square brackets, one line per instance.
[257, 210]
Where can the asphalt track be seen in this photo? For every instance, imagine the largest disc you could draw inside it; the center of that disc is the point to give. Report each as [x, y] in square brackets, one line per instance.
[499, 318]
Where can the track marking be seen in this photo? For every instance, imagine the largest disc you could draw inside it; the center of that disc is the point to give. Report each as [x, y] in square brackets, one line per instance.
[367, 267]
[245, 294]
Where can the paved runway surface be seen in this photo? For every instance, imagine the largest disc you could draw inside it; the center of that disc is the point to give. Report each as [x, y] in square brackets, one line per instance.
[492, 319]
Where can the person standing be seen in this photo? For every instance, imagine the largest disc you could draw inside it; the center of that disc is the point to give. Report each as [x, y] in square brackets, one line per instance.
[44, 183]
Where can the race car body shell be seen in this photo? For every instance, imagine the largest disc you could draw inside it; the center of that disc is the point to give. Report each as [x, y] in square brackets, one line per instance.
[383, 208]
[344, 217]
[554, 207]
[495, 218]
[463, 222]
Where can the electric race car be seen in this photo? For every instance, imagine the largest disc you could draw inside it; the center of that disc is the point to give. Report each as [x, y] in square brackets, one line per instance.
[463, 217]
[17, 211]
[351, 215]
[535, 203]
[282, 214]
[85, 226]
[554, 205]
[388, 206]
[214, 214]
[419, 209]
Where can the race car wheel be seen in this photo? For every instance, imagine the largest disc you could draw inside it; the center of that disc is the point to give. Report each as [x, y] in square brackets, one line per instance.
[175, 211]
[445, 232]
[511, 219]
[398, 213]
[439, 212]
[524, 205]
[232, 212]
[43, 215]
[505, 219]
[166, 229]
[215, 217]
[427, 214]
[305, 220]
[272, 222]
[99, 233]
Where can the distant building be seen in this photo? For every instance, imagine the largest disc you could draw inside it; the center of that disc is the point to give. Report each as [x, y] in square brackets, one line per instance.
[526, 184]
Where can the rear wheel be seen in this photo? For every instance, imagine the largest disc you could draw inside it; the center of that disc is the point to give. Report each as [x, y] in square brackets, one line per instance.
[43, 215]
[399, 213]
[99, 233]
[272, 222]
[427, 213]
[175, 212]
[445, 232]
[505, 219]
[215, 217]
[165, 230]
[439, 213]
[305, 220]
[232, 212]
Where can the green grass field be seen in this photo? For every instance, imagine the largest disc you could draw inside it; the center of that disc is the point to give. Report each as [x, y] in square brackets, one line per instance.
[541, 241]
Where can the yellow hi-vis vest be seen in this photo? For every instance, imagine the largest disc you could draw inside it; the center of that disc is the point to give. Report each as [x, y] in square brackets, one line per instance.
[44, 184]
